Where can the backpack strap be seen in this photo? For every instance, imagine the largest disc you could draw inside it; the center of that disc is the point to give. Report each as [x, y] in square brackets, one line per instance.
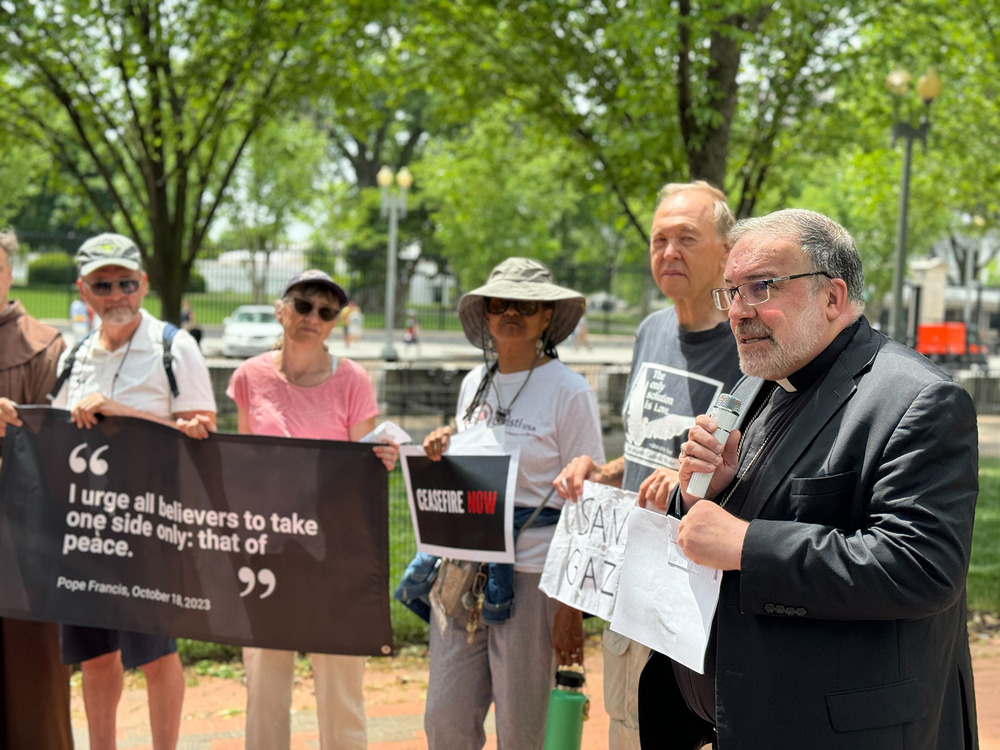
[67, 369]
[169, 331]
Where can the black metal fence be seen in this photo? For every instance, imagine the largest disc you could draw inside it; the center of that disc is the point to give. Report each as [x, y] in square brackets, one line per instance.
[618, 295]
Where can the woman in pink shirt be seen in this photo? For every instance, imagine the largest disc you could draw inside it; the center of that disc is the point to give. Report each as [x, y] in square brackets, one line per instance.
[301, 390]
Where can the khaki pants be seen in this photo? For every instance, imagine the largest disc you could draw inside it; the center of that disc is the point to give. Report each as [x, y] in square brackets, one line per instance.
[511, 665]
[623, 663]
[340, 703]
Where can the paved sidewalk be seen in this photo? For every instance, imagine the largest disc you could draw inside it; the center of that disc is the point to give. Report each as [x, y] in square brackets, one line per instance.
[395, 689]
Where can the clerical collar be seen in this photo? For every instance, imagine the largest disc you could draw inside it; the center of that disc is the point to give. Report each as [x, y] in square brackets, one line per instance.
[821, 363]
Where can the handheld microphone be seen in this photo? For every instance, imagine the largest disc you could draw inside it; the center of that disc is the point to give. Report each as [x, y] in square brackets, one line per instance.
[725, 413]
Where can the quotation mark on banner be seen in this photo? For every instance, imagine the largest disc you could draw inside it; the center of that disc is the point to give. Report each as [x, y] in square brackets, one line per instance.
[78, 464]
[265, 576]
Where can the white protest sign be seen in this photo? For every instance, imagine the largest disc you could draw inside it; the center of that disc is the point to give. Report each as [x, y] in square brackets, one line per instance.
[665, 601]
[586, 552]
[388, 430]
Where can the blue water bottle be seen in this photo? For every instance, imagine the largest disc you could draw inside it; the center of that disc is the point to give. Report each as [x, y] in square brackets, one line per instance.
[568, 709]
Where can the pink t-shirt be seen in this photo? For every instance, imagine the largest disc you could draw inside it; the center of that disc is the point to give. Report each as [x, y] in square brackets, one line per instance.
[323, 412]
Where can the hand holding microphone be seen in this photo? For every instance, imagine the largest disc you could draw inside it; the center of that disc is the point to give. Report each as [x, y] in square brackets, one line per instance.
[725, 413]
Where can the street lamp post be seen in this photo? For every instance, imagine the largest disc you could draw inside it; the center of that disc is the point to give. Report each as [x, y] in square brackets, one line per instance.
[393, 206]
[928, 89]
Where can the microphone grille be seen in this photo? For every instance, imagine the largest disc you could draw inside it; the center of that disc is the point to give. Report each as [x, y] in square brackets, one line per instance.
[729, 402]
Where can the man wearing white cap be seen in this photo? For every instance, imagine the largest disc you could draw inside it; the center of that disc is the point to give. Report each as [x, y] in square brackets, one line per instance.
[119, 370]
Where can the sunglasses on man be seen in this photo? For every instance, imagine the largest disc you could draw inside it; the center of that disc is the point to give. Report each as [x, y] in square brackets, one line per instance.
[303, 307]
[104, 288]
[525, 307]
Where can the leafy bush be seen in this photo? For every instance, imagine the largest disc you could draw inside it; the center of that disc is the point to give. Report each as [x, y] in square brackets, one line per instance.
[52, 268]
[192, 652]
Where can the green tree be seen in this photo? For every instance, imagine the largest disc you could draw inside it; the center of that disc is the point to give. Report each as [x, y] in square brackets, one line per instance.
[274, 184]
[842, 160]
[21, 173]
[502, 187]
[656, 92]
[155, 103]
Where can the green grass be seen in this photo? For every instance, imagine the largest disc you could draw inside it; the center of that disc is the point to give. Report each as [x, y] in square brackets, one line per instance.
[211, 308]
[406, 626]
[984, 569]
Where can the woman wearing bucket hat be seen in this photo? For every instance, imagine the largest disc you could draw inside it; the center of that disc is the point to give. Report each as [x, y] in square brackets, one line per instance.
[550, 413]
[302, 390]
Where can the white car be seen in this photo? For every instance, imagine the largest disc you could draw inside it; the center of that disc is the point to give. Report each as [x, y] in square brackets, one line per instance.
[604, 302]
[250, 330]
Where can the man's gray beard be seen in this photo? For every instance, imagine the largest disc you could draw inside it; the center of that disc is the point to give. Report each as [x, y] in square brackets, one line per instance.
[767, 368]
[783, 359]
[120, 316]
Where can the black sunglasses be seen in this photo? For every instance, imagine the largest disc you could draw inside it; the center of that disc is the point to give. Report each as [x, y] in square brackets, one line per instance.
[303, 307]
[526, 307]
[104, 288]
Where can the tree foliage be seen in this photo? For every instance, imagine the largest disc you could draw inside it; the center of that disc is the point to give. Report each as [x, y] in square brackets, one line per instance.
[540, 128]
[155, 102]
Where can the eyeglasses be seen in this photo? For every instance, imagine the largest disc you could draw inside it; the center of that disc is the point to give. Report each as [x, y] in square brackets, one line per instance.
[104, 288]
[303, 307]
[755, 292]
[526, 307]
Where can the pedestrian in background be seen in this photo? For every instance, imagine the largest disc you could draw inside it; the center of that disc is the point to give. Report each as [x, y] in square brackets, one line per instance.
[413, 331]
[189, 323]
[354, 323]
[80, 318]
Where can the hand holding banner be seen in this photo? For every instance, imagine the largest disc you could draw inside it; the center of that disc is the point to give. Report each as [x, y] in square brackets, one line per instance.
[462, 506]
[245, 539]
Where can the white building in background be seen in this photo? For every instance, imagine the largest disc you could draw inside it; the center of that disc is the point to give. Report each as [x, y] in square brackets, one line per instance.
[235, 270]
[428, 286]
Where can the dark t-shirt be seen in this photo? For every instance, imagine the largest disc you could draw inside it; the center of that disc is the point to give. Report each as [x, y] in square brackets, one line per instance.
[676, 375]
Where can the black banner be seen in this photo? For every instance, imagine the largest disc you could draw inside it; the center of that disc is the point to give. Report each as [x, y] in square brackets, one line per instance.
[242, 539]
[459, 505]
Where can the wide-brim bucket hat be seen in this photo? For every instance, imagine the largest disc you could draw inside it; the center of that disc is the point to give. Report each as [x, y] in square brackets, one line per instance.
[521, 279]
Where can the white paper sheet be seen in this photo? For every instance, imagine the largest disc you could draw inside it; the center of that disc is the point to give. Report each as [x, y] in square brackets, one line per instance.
[665, 601]
[585, 555]
[390, 430]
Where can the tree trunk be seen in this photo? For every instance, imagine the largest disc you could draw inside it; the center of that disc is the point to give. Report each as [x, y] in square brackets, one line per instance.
[167, 271]
[708, 146]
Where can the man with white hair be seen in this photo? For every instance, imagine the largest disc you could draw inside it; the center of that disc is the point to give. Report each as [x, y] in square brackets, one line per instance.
[684, 357]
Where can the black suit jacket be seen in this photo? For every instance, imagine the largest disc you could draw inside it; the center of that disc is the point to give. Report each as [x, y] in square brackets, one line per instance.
[845, 627]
